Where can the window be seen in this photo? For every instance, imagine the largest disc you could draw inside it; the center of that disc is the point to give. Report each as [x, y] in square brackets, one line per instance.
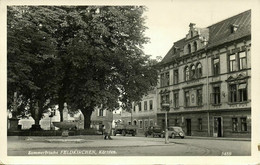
[199, 97]
[145, 105]
[167, 79]
[216, 67]
[140, 124]
[176, 99]
[232, 63]
[233, 93]
[151, 104]
[195, 46]
[162, 80]
[187, 98]
[234, 124]
[238, 93]
[176, 122]
[199, 70]
[165, 98]
[243, 124]
[200, 124]
[242, 92]
[186, 73]
[242, 60]
[215, 97]
[135, 122]
[140, 106]
[146, 124]
[134, 107]
[192, 72]
[176, 76]
[189, 48]
[100, 112]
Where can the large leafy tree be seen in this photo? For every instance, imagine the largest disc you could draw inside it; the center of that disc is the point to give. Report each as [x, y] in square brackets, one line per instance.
[107, 63]
[96, 56]
[32, 57]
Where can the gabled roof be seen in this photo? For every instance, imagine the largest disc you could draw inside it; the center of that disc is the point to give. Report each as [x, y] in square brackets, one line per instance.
[217, 34]
[220, 32]
[178, 46]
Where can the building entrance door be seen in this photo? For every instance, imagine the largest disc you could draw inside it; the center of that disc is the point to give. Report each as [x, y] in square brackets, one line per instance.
[218, 127]
[188, 127]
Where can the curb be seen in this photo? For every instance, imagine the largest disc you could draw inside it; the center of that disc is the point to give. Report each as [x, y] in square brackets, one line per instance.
[215, 138]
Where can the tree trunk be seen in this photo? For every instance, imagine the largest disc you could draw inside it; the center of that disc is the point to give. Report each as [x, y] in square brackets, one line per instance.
[87, 116]
[61, 106]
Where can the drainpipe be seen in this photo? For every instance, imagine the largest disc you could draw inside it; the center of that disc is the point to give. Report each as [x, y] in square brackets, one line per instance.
[207, 89]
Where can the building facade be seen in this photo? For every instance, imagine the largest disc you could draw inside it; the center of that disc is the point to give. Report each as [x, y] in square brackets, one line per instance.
[99, 117]
[205, 78]
[144, 113]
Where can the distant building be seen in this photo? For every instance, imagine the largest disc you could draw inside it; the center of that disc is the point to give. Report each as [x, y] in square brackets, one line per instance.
[144, 113]
[99, 117]
[206, 79]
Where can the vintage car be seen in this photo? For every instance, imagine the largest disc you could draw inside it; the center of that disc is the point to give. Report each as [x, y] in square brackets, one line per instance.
[154, 131]
[175, 132]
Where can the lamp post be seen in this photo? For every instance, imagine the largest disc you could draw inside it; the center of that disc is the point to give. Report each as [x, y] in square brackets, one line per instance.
[166, 106]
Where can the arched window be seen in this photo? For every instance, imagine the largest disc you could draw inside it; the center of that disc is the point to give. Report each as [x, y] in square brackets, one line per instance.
[199, 70]
[189, 48]
[195, 46]
[135, 123]
[186, 73]
[192, 72]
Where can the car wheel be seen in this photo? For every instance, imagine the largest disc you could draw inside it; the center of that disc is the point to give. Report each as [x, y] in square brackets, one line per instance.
[182, 137]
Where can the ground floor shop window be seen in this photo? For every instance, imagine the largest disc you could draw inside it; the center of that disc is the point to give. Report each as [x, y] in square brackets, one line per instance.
[234, 124]
[151, 122]
[140, 124]
[200, 124]
[176, 122]
[243, 124]
[146, 124]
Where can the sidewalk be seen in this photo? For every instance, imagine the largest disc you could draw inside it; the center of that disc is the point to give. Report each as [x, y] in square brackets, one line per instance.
[91, 141]
[210, 138]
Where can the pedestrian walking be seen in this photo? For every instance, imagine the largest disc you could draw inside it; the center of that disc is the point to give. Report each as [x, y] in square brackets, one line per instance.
[108, 129]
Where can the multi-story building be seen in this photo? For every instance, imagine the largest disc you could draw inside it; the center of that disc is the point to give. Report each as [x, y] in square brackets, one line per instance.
[205, 78]
[144, 113]
[99, 117]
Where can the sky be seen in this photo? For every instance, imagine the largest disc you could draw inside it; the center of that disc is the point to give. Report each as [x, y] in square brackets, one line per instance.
[168, 21]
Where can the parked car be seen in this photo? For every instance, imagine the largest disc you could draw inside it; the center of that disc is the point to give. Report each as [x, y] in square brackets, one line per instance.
[153, 131]
[124, 129]
[175, 132]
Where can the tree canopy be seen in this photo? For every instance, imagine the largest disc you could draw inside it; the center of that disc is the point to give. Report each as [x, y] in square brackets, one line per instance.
[87, 56]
